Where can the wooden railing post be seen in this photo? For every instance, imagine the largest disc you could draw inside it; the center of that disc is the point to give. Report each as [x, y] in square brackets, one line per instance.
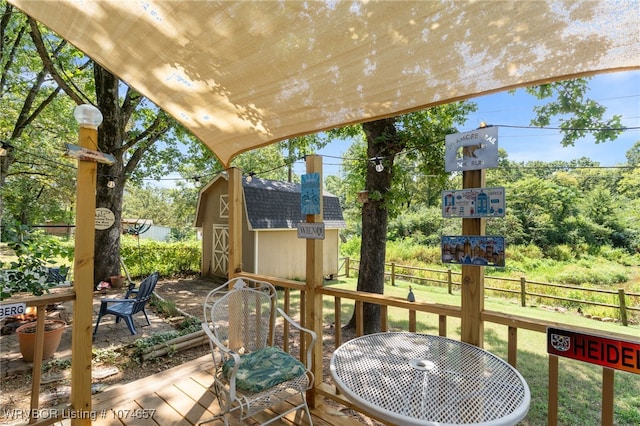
[623, 307]
[346, 267]
[412, 321]
[36, 372]
[608, 389]
[393, 273]
[449, 281]
[512, 346]
[552, 407]
[523, 291]
[337, 327]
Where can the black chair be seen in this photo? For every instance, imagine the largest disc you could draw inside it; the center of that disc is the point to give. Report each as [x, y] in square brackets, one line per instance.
[126, 308]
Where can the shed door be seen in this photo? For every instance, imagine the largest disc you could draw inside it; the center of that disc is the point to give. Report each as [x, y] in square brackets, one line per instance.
[220, 250]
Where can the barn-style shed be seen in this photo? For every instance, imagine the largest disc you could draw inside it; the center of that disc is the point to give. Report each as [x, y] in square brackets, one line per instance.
[270, 243]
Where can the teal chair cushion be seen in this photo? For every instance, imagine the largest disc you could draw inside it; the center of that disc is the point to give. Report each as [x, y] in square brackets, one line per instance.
[264, 368]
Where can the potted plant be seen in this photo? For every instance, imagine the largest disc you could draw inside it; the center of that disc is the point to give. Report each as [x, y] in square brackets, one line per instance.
[30, 274]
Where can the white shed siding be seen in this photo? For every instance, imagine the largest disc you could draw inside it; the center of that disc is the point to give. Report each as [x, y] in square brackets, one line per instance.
[281, 254]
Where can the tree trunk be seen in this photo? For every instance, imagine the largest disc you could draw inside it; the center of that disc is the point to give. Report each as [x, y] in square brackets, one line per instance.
[383, 143]
[110, 136]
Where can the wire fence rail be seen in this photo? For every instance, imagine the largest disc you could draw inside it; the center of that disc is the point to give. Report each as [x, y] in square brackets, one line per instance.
[622, 302]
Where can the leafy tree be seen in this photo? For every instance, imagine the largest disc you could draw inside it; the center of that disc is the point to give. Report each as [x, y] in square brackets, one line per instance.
[578, 114]
[633, 155]
[35, 121]
[420, 135]
[38, 68]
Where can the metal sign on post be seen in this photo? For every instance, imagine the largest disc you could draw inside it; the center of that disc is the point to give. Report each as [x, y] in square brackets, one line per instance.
[473, 203]
[473, 250]
[75, 151]
[473, 150]
[311, 231]
[310, 194]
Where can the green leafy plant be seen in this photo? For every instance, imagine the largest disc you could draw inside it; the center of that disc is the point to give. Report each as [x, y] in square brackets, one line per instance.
[30, 273]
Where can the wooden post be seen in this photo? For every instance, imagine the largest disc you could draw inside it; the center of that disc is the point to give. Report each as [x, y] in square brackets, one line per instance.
[523, 291]
[623, 307]
[36, 371]
[393, 274]
[81, 336]
[552, 404]
[235, 222]
[608, 390]
[315, 261]
[472, 327]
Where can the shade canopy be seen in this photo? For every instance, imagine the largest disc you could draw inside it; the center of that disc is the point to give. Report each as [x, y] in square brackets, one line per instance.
[245, 74]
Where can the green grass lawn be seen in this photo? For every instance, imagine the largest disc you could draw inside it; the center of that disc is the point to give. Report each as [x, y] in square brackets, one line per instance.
[579, 383]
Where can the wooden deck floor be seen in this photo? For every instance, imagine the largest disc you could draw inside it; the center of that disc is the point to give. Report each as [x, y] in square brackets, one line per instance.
[180, 396]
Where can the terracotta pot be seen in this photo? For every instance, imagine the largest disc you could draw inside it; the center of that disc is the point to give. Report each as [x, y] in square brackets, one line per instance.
[117, 281]
[53, 330]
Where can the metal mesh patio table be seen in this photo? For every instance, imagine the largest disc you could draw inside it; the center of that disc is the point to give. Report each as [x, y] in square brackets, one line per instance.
[419, 379]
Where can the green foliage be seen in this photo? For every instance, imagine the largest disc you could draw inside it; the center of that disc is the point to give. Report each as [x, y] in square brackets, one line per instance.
[579, 113]
[411, 253]
[605, 274]
[351, 247]
[143, 257]
[140, 346]
[165, 308]
[519, 253]
[36, 253]
[561, 253]
[105, 356]
[189, 325]
[56, 364]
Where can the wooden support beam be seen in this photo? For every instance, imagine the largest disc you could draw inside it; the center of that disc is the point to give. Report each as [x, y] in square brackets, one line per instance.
[472, 327]
[235, 222]
[314, 269]
[81, 334]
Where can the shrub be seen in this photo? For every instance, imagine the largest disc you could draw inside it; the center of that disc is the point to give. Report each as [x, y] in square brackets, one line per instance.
[561, 253]
[146, 256]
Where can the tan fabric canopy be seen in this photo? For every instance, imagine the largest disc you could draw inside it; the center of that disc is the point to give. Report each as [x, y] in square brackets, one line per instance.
[245, 74]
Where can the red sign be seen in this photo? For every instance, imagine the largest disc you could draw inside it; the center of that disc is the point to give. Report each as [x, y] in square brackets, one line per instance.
[617, 354]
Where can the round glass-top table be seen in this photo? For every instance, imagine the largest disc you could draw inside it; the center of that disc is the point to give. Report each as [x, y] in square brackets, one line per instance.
[420, 379]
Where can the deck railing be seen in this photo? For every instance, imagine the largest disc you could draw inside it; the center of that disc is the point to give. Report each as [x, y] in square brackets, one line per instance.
[40, 303]
[513, 323]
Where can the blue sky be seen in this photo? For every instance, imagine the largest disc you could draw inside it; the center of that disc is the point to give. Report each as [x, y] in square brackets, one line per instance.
[618, 92]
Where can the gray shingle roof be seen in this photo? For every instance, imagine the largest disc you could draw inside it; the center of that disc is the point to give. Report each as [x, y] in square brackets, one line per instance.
[276, 205]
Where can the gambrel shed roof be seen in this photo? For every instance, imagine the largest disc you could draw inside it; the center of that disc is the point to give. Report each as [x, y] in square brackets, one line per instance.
[276, 205]
[271, 204]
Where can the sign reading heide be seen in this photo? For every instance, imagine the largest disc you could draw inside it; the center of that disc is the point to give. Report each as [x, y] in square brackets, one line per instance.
[611, 353]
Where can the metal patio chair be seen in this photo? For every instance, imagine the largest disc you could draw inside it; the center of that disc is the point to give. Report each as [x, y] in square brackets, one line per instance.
[252, 374]
[127, 307]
